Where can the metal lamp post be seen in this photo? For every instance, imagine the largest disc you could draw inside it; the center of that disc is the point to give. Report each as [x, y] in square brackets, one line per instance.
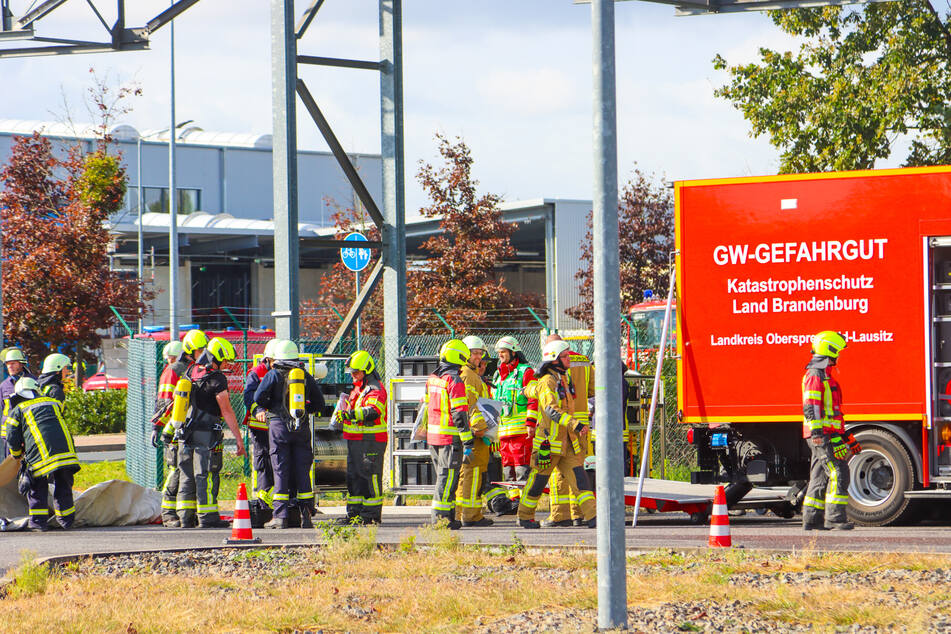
[139, 260]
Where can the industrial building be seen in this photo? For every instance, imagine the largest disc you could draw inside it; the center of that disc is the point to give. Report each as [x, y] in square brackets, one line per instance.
[226, 226]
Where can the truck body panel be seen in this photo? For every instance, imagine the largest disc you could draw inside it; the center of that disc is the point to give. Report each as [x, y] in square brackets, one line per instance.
[764, 263]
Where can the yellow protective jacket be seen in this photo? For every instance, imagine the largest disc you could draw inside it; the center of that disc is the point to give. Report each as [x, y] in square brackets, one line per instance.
[555, 421]
[475, 388]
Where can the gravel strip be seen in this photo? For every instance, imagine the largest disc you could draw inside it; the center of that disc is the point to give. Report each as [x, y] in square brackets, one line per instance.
[240, 563]
[691, 616]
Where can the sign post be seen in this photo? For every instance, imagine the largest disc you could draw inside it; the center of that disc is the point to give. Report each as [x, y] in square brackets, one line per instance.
[356, 259]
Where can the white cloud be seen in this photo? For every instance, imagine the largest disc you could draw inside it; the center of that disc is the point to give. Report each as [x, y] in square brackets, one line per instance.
[514, 78]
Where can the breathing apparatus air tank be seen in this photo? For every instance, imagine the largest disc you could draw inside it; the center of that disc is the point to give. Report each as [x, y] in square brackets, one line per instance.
[180, 401]
[295, 397]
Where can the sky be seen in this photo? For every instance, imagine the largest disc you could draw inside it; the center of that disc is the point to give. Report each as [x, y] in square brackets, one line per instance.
[511, 77]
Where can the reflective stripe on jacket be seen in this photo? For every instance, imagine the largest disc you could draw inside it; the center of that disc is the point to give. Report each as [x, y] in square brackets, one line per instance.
[36, 430]
[475, 389]
[166, 389]
[447, 408]
[517, 416]
[821, 404]
[367, 401]
[554, 417]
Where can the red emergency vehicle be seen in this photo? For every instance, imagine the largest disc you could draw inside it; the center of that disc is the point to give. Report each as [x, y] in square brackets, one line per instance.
[763, 264]
[643, 330]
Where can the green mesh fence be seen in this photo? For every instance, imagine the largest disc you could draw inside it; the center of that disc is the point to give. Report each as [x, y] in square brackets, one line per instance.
[143, 462]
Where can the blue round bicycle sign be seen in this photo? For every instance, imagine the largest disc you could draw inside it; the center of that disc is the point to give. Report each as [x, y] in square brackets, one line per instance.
[354, 258]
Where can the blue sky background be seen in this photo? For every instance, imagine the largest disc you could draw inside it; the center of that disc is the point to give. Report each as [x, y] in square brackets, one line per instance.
[512, 77]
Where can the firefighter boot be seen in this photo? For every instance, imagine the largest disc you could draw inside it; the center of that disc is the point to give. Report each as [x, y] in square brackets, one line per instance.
[305, 521]
[278, 522]
[528, 524]
[839, 526]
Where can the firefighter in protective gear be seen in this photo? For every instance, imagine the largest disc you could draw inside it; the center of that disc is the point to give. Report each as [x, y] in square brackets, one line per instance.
[292, 455]
[824, 428]
[565, 510]
[559, 438]
[262, 476]
[55, 369]
[15, 362]
[450, 439]
[519, 417]
[364, 428]
[163, 431]
[472, 473]
[199, 461]
[37, 435]
[16, 370]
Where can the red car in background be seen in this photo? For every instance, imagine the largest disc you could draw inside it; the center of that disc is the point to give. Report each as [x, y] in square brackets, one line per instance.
[103, 381]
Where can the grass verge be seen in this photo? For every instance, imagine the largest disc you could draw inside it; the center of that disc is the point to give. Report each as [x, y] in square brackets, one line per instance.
[355, 586]
[30, 578]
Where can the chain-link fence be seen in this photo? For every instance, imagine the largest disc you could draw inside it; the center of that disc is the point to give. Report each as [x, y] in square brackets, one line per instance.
[143, 462]
[671, 455]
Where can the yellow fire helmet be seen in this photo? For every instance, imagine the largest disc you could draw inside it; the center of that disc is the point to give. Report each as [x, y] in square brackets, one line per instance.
[221, 349]
[828, 343]
[194, 340]
[362, 361]
[454, 351]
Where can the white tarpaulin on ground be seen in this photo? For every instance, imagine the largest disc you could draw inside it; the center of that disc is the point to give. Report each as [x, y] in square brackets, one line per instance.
[111, 503]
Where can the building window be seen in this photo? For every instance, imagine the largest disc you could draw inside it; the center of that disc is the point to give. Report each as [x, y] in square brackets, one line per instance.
[156, 200]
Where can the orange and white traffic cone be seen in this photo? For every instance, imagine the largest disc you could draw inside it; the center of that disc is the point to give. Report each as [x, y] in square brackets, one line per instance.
[719, 522]
[241, 526]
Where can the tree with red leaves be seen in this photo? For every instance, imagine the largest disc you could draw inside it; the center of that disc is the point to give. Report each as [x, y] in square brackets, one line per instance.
[460, 279]
[646, 226]
[57, 285]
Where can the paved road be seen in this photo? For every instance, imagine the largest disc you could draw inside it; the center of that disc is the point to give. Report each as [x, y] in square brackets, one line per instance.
[654, 531]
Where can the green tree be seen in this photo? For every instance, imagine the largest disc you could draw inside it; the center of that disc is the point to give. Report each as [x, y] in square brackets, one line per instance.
[862, 79]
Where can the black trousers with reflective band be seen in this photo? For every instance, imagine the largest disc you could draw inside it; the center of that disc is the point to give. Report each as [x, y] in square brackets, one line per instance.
[365, 478]
[828, 490]
[447, 461]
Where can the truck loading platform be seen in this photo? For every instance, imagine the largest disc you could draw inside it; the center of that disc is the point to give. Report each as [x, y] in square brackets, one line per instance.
[672, 496]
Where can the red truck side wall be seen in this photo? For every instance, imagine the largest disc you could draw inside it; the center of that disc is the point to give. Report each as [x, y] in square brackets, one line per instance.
[742, 248]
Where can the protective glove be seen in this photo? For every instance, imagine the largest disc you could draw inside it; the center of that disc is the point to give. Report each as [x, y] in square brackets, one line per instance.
[543, 456]
[347, 415]
[839, 449]
[467, 453]
[155, 437]
[579, 426]
[167, 439]
[853, 444]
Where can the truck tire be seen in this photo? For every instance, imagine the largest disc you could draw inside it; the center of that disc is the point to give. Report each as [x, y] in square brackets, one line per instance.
[880, 475]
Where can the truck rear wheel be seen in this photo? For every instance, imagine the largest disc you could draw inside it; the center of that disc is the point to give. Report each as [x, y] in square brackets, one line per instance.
[880, 475]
